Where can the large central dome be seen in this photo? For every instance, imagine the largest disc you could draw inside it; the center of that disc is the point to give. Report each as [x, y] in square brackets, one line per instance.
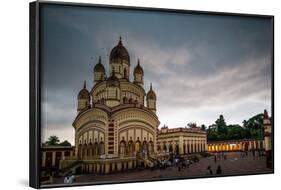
[119, 52]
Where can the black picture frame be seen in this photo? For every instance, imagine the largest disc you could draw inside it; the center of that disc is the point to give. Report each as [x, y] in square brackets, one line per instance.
[35, 86]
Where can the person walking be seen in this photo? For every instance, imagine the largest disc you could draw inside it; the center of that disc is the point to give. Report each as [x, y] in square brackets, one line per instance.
[219, 171]
[209, 170]
[215, 158]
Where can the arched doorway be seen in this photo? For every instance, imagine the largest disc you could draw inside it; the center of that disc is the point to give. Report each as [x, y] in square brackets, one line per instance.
[101, 148]
[137, 146]
[170, 148]
[150, 146]
[144, 147]
[122, 147]
[177, 149]
[131, 146]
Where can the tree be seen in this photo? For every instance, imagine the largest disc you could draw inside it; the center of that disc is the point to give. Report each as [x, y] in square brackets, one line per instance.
[192, 125]
[65, 143]
[255, 126]
[52, 140]
[203, 127]
[221, 125]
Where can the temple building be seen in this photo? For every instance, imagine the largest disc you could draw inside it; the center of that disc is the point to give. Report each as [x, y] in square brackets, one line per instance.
[181, 140]
[116, 122]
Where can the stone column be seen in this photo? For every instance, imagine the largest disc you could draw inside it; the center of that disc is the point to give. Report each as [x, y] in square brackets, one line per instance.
[106, 168]
[130, 165]
[189, 146]
[62, 155]
[194, 146]
[90, 168]
[180, 144]
[53, 158]
[43, 159]
[71, 154]
[119, 166]
[98, 168]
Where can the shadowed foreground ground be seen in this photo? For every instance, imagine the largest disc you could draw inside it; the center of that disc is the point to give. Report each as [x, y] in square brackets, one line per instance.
[233, 165]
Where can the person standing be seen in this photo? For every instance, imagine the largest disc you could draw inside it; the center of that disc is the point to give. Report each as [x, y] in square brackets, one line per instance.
[209, 170]
[219, 171]
[215, 158]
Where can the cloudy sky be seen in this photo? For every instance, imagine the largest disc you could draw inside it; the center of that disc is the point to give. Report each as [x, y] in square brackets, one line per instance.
[201, 66]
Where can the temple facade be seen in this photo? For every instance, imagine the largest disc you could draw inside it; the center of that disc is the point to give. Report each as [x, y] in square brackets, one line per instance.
[116, 122]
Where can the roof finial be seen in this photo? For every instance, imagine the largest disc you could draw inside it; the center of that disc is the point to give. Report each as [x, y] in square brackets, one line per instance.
[138, 61]
[84, 83]
[151, 86]
[265, 114]
[99, 59]
[120, 40]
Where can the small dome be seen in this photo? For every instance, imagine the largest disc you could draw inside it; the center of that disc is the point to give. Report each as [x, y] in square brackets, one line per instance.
[99, 67]
[151, 94]
[113, 81]
[84, 93]
[138, 69]
[119, 52]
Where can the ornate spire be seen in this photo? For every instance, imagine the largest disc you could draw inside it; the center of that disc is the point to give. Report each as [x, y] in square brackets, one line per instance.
[138, 61]
[84, 84]
[120, 40]
[99, 59]
[265, 114]
[151, 86]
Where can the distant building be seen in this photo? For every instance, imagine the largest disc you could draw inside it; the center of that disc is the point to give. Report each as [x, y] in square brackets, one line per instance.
[235, 145]
[52, 156]
[245, 144]
[181, 140]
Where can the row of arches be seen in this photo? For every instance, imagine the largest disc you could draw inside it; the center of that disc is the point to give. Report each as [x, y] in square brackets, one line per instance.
[131, 147]
[168, 148]
[235, 146]
[91, 150]
[125, 100]
[184, 148]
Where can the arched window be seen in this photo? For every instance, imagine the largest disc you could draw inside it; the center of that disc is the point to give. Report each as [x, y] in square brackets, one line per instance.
[165, 148]
[158, 148]
[177, 151]
[96, 149]
[170, 148]
[125, 73]
[144, 147]
[122, 147]
[102, 101]
[84, 150]
[101, 148]
[80, 151]
[137, 146]
[125, 100]
[131, 146]
[150, 146]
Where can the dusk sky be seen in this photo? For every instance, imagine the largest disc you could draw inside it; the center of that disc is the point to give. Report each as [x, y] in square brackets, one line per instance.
[200, 65]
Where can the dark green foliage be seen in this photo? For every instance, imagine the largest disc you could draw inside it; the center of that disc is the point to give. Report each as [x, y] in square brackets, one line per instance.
[203, 127]
[65, 143]
[54, 141]
[252, 128]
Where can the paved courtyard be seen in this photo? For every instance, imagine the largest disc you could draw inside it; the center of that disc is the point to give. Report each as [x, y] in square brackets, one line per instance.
[234, 164]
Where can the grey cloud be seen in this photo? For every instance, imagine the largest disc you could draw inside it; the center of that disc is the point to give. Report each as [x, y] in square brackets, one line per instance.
[200, 66]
